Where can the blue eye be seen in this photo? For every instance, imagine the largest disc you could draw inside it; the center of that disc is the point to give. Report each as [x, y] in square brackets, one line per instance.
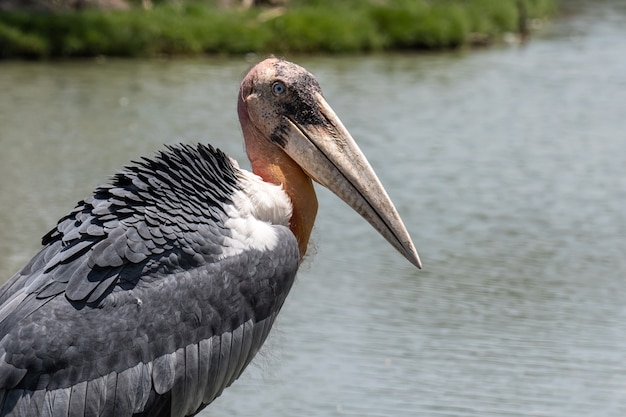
[279, 88]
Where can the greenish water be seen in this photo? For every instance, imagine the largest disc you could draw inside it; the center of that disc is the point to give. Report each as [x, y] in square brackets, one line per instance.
[507, 165]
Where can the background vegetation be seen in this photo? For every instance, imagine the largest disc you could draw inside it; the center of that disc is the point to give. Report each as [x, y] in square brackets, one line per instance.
[191, 27]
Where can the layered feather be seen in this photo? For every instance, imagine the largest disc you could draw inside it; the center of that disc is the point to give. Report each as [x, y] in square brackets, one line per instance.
[152, 295]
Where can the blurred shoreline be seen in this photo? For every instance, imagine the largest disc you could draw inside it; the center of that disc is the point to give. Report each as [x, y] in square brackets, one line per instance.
[194, 28]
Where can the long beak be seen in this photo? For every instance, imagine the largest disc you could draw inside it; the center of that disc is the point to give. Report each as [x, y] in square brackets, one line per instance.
[331, 157]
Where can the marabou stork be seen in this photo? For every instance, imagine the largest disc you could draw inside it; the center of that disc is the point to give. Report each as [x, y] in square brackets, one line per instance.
[154, 293]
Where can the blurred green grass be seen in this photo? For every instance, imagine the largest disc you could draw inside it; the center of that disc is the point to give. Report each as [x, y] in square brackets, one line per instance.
[195, 27]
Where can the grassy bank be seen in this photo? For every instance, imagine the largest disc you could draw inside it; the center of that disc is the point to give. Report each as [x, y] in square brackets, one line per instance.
[192, 27]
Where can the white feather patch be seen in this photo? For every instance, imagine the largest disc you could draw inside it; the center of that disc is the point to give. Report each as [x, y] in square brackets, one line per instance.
[258, 207]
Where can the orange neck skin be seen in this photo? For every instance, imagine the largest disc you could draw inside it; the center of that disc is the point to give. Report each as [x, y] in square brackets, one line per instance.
[276, 167]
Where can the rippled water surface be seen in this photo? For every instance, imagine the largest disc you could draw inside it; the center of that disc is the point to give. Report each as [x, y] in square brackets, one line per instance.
[507, 164]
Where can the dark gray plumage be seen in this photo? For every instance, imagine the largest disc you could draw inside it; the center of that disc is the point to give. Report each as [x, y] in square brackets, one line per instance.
[147, 246]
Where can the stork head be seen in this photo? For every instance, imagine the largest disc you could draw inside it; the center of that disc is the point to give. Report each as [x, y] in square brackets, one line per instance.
[286, 120]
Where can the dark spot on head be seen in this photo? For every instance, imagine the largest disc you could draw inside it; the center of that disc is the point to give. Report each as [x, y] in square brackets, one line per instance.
[279, 136]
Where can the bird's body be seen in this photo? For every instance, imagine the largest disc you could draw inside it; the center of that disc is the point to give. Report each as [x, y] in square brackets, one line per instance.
[162, 299]
[155, 293]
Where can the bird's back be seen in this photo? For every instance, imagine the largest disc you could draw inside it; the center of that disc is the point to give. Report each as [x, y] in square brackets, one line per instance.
[151, 296]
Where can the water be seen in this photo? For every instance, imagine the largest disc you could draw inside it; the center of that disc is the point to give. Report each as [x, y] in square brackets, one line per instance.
[507, 165]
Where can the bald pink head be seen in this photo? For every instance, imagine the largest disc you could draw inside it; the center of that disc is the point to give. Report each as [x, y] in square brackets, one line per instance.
[292, 136]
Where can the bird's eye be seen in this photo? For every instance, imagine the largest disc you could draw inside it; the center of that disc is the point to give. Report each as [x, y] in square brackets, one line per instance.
[279, 88]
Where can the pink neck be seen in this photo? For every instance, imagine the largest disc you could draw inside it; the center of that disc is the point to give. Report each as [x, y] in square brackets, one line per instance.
[276, 167]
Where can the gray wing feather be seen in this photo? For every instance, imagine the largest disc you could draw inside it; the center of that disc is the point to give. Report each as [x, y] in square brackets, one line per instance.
[192, 369]
[246, 347]
[126, 388]
[47, 408]
[110, 252]
[214, 355]
[36, 403]
[163, 372]
[96, 395]
[105, 282]
[61, 405]
[204, 363]
[9, 374]
[235, 355]
[225, 348]
[30, 273]
[108, 408]
[78, 399]
[51, 288]
[178, 391]
[259, 334]
[144, 386]
[15, 403]
[81, 287]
